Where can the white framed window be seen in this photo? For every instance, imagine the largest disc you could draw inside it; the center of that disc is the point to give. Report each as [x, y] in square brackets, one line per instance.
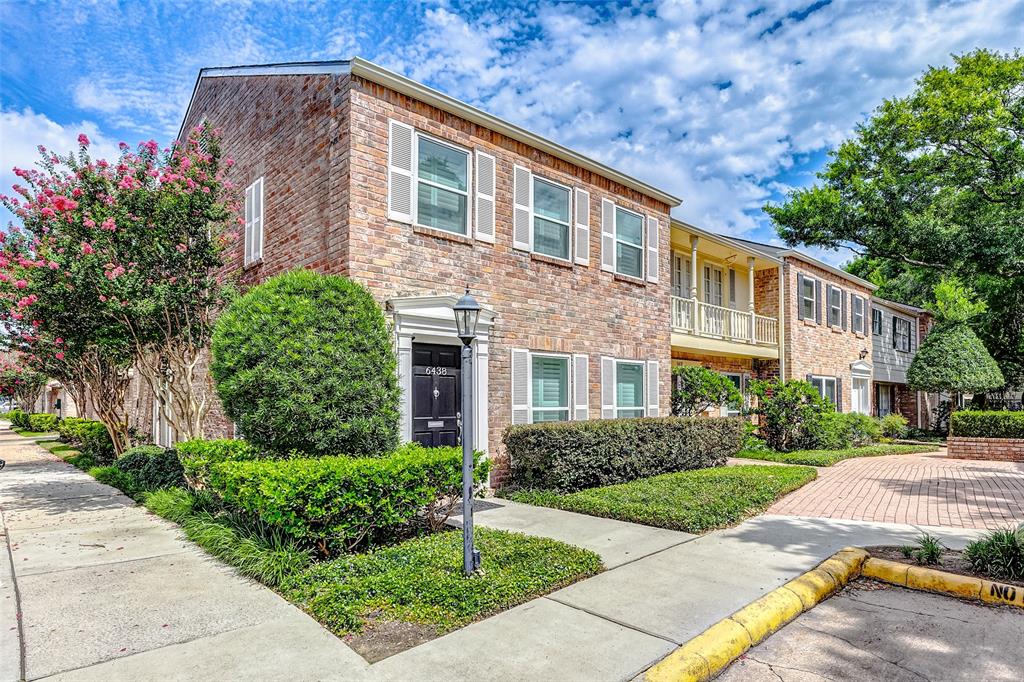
[442, 185]
[732, 288]
[808, 298]
[858, 314]
[680, 275]
[826, 387]
[551, 219]
[876, 321]
[254, 222]
[629, 389]
[713, 285]
[549, 387]
[730, 410]
[900, 334]
[629, 243]
[835, 307]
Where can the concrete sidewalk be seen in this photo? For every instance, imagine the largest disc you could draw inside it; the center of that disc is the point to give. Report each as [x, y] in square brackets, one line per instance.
[109, 591]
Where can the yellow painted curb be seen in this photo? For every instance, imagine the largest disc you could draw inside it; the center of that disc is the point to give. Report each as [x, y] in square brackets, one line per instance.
[1001, 593]
[930, 580]
[708, 653]
[887, 571]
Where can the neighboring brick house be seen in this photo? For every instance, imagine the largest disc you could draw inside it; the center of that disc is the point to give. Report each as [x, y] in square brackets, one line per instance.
[897, 331]
[825, 327]
[725, 306]
[351, 169]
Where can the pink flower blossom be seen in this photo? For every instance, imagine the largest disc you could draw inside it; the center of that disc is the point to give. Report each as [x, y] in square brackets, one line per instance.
[109, 224]
[87, 248]
[181, 248]
[83, 140]
[103, 298]
[58, 340]
[59, 355]
[21, 284]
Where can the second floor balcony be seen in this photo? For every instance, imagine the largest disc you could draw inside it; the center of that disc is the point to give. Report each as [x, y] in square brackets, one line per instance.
[691, 316]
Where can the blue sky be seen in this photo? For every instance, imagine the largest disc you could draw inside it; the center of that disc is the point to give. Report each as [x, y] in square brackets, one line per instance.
[725, 104]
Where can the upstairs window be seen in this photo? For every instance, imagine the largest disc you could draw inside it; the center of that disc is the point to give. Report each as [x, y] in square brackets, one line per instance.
[629, 243]
[900, 334]
[551, 219]
[858, 314]
[876, 321]
[808, 299]
[254, 222]
[442, 186]
[835, 307]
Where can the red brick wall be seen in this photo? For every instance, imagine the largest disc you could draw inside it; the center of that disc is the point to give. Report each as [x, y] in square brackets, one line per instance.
[1003, 449]
[540, 305]
[817, 348]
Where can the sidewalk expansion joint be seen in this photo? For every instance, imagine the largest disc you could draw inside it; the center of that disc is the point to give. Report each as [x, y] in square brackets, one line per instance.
[100, 564]
[616, 621]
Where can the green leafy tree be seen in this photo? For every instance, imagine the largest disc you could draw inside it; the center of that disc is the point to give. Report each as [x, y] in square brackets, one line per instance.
[952, 359]
[697, 389]
[788, 412]
[114, 265]
[933, 184]
[21, 382]
[305, 362]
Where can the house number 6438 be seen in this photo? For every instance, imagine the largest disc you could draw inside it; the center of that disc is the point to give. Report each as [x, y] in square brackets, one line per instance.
[441, 371]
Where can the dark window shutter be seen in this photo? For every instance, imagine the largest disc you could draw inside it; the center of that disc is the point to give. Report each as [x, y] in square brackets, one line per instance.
[817, 301]
[809, 378]
[844, 309]
[799, 296]
[894, 344]
[839, 394]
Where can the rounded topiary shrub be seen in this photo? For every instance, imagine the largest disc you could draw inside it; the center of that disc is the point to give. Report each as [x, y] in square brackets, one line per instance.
[305, 362]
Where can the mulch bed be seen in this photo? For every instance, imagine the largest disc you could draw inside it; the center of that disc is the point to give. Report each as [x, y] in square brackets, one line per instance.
[951, 561]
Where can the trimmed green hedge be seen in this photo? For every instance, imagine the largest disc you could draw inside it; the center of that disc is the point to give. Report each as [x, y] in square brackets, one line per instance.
[568, 456]
[42, 422]
[18, 418]
[197, 456]
[340, 503]
[992, 424]
[152, 467]
[71, 429]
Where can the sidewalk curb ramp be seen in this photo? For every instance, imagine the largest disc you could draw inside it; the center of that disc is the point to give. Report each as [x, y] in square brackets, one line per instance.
[710, 652]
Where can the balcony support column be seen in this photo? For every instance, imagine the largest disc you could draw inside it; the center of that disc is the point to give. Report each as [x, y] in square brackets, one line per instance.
[750, 299]
[693, 283]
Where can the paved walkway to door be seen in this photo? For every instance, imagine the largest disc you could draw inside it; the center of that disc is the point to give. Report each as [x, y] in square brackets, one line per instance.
[928, 490]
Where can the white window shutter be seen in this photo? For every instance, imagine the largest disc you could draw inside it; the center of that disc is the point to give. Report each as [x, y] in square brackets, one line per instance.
[257, 223]
[651, 384]
[400, 167]
[653, 243]
[249, 191]
[522, 209]
[607, 235]
[582, 227]
[581, 387]
[607, 388]
[485, 181]
[520, 386]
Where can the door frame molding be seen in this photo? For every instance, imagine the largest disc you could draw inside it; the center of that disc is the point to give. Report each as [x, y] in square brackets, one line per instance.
[430, 319]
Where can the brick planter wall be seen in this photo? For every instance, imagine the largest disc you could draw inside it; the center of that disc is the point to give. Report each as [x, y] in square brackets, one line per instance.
[1002, 449]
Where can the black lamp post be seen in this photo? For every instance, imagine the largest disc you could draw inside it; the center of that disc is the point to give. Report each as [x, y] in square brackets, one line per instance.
[467, 314]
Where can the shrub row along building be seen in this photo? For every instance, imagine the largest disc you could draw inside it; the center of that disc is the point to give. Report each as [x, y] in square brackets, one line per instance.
[591, 290]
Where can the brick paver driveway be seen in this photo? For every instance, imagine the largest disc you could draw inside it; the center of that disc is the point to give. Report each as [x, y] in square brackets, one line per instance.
[926, 490]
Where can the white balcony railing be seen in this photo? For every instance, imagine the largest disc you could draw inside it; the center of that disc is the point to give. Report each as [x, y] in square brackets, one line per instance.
[703, 319]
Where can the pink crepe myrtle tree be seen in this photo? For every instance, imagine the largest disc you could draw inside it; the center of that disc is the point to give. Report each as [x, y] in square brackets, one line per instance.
[21, 382]
[119, 261]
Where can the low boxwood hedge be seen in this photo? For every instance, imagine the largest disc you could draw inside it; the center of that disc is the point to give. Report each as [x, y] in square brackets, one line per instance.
[340, 503]
[70, 429]
[42, 422]
[568, 456]
[197, 456]
[991, 424]
[152, 467]
[18, 418]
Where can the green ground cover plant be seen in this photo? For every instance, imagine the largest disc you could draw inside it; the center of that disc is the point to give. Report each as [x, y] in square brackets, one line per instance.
[421, 580]
[826, 458]
[691, 501]
[1000, 554]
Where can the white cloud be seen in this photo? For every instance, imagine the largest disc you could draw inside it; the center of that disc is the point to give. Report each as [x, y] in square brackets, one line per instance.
[21, 132]
[713, 102]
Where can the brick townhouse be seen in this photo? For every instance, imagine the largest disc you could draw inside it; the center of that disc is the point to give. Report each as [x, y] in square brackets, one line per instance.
[897, 331]
[354, 170]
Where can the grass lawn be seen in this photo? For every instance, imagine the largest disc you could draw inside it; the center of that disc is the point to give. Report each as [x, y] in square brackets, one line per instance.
[420, 580]
[34, 434]
[692, 501]
[826, 458]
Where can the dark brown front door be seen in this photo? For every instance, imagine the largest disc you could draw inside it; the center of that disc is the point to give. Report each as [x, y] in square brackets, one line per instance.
[436, 394]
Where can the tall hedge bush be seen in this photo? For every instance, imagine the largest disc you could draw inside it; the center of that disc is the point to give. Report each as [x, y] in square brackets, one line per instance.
[305, 362]
[569, 456]
[953, 359]
[990, 424]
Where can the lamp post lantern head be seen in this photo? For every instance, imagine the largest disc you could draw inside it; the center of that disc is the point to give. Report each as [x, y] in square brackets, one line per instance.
[863, 353]
[467, 314]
